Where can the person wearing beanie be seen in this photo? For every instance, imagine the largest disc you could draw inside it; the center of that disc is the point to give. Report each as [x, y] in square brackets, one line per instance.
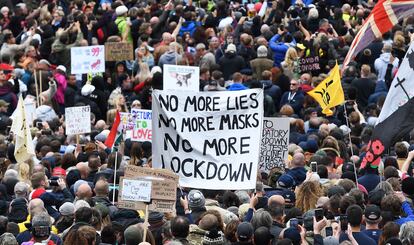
[261, 63]
[231, 62]
[122, 22]
[196, 203]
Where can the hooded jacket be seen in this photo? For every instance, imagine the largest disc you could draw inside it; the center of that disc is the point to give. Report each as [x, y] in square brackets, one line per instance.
[381, 65]
[231, 63]
[169, 58]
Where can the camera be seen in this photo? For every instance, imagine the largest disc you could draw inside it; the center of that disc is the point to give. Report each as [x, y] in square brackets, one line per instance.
[53, 182]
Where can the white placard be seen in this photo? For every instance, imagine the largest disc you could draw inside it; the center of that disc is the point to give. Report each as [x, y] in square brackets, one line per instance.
[142, 130]
[274, 144]
[136, 190]
[78, 120]
[210, 139]
[89, 59]
[181, 77]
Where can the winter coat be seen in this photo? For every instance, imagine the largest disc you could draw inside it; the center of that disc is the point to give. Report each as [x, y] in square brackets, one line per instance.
[259, 65]
[231, 63]
[61, 87]
[188, 26]
[7, 95]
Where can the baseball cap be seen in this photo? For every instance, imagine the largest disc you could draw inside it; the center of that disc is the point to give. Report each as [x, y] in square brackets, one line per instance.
[372, 212]
[231, 48]
[244, 231]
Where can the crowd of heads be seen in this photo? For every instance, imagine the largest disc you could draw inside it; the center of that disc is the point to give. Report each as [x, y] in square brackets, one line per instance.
[68, 192]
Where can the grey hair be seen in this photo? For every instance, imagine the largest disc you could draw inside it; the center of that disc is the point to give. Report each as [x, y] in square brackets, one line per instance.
[41, 218]
[261, 218]
[385, 186]
[407, 233]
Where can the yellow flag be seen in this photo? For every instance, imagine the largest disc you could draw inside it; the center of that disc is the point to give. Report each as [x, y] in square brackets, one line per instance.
[23, 149]
[329, 92]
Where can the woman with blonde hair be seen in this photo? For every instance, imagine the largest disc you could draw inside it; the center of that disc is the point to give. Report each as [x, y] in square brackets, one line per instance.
[307, 195]
[120, 103]
[291, 64]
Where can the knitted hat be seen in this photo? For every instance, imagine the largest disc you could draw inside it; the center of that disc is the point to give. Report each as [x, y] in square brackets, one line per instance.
[81, 204]
[213, 237]
[155, 217]
[67, 209]
[196, 199]
[286, 181]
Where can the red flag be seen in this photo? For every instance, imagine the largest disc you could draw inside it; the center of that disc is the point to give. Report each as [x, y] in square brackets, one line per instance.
[110, 140]
[382, 19]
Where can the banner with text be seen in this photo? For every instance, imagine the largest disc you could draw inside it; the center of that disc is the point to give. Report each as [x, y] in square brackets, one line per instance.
[78, 120]
[89, 59]
[210, 139]
[274, 144]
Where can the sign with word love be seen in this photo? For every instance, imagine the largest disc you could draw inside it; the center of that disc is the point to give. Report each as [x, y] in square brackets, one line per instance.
[210, 139]
[274, 143]
[78, 120]
[88, 59]
[162, 192]
[142, 130]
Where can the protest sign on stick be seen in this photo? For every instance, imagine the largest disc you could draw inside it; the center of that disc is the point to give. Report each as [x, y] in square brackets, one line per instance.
[181, 77]
[210, 139]
[118, 51]
[162, 191]
[89, 59]
[78, 120]
[274, 143]
[142, 130]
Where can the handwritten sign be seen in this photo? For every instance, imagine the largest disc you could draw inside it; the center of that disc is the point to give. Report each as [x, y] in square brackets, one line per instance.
[78, 120]
[136, 190]
[117, 51]
[142, 130]
[163, 188]
[89, 59]
[309, 64]
[274, 143]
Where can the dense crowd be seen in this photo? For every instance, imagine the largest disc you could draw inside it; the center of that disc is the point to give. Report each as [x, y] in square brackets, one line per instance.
[65, 193]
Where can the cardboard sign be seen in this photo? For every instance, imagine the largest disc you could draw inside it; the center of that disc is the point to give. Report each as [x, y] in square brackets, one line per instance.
[142, 130]
[78, 120]
[309, 64]
[274, 143]
[118, 51]
[88, 59]
[136, 190]
[210, 139]
[162, 193]
[181, 77]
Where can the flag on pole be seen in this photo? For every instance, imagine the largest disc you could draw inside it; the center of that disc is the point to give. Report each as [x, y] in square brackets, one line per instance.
[329, 92]
[396, 118]
[384, 16]
[115, 136]
[23, 149]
